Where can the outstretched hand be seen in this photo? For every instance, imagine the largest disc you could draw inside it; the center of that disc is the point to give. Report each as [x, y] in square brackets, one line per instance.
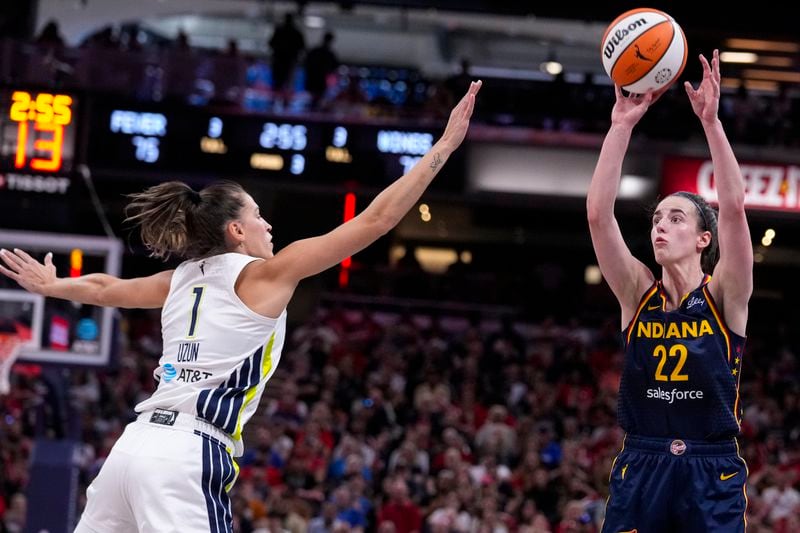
[457, 126]
[629, 110]
[32, 275]
[705, 99]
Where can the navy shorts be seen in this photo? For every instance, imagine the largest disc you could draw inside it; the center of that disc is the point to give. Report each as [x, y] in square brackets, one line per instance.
[669, 485]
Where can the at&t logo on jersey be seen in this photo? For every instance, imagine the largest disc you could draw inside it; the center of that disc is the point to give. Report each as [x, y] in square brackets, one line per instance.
[670, 396]
[190, 375]
[186, 375]
[169, 373]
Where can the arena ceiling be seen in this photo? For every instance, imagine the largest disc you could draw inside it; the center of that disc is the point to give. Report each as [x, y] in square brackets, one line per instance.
[765, 23]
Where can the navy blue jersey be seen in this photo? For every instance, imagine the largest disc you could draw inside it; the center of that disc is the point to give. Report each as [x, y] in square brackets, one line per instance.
[681, 371]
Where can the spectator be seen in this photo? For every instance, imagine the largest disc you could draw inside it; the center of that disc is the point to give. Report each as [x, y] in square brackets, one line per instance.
[287, 44]
[229, 72]
[321, 63]
[288, 408]
[400, 510]
[181, 68]
[50, 36]
[14, 517]
[782, 501]
[182, 41]
[496, 435]
[323, 523]
[347, 510]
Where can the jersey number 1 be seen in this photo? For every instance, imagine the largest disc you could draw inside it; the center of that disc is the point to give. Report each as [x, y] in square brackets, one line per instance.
[198, 295]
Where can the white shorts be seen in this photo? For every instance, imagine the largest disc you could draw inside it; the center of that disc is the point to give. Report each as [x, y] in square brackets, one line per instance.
[168, 472]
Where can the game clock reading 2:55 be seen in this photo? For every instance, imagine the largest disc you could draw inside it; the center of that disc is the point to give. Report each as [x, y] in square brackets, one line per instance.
[37, 131]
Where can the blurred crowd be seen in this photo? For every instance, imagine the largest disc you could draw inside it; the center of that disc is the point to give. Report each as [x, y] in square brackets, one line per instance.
[401, 422]
[301, 77]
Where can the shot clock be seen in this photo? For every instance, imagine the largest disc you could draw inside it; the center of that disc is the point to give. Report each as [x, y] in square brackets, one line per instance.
[37, 131]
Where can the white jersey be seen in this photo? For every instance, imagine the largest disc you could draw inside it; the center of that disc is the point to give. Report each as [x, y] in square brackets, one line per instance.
[218, 354]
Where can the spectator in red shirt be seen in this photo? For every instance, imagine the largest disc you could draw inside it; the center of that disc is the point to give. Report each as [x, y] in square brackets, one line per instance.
[400, 510]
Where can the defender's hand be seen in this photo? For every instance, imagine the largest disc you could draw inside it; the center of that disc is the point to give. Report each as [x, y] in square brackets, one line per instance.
[457, 126]
[32, 275]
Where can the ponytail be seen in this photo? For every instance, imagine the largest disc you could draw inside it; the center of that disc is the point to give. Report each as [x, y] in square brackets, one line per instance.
[177, 220]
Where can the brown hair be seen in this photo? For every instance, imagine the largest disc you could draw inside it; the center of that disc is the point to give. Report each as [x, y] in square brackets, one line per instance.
[177, 220]
[706, 221]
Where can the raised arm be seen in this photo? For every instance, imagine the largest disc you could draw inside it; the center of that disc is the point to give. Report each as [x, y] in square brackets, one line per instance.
[307, 257]
[627, 277]
[94, 289]
[732, 283]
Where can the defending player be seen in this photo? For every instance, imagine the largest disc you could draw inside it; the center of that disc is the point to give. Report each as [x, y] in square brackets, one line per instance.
[679, 469]
[223, 326]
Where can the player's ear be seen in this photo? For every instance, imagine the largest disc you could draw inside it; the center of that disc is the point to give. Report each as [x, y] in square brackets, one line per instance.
[234, 232]
[704, 239]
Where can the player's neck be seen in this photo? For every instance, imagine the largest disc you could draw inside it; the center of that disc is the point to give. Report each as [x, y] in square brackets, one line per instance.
[679, 280]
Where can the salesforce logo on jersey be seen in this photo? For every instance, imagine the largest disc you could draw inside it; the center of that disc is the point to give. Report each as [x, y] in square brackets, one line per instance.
[169, 373]
[670, 396]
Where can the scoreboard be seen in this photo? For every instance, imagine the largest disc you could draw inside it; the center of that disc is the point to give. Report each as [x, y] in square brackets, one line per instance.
[168, 140]
[41, 146]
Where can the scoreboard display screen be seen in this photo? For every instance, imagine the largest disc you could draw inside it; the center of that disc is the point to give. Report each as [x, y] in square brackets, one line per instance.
[173, 140]
[37, 131]
[39, 143]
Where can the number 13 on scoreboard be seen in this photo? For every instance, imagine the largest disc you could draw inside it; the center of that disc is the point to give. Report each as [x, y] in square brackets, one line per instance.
[50, 113]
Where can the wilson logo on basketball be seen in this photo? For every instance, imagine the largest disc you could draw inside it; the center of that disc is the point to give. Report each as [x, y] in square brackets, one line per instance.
[620, 36]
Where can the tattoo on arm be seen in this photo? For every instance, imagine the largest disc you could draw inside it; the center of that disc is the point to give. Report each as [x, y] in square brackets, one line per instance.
[437, 161]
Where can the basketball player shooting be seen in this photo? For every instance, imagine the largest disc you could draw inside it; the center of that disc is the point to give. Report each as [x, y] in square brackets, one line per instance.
[683, 336]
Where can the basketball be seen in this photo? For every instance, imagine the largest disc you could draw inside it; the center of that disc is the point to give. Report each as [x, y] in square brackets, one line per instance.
[643, 49]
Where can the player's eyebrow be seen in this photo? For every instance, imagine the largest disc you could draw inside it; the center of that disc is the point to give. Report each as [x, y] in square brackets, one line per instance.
[673, 210]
